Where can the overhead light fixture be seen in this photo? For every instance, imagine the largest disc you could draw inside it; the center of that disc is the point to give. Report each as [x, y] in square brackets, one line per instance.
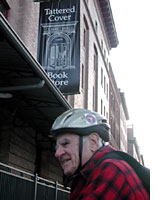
[5, 95]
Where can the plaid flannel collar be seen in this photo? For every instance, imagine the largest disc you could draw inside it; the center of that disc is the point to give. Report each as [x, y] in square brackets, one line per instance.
[89, 166]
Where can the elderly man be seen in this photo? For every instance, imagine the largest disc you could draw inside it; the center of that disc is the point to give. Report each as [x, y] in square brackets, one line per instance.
[80, 137]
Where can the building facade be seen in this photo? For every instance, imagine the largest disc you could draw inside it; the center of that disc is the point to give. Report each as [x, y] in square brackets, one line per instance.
[133, 148]
[95, 45]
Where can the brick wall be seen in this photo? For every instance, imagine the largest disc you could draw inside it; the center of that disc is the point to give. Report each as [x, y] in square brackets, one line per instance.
[89, 16]
[24, 17]
[19, 148]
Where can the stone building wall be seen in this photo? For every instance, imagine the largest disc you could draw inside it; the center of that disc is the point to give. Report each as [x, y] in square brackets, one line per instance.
[95, 37]
[23, 16]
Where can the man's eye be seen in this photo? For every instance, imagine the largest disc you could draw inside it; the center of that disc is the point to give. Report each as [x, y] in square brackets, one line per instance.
[65, 144]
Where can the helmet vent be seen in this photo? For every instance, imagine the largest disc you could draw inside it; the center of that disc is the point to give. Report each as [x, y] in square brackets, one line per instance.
[68, 116]
[102, 121]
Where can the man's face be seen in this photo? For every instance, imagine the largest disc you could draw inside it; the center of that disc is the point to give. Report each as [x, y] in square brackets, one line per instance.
[67, 152]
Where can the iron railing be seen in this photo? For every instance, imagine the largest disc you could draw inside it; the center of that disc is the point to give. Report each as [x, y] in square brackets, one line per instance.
[16, 184]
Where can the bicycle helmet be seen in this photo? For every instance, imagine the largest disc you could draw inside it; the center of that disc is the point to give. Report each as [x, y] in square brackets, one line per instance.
[81, 122]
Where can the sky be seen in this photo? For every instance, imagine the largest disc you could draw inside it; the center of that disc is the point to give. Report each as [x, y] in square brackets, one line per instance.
[133, 66]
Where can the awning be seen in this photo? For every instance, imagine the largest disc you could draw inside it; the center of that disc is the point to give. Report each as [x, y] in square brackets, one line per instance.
[35, 99]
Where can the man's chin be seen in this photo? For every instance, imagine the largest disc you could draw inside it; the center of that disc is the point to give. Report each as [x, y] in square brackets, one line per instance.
[68, 173]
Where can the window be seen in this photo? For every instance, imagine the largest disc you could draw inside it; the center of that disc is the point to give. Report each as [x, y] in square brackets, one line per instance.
[104, 111]
[4, 7]
[104, 84]
[107, 63]
[85, 34]
[93, 98]
[101, 107]
[96, 26]
[101, 76]
[101, 44]
[94, 62]
[95, 58]
[104, 54]
[107, 90]
[84, 37]
[82, 79]
[95, 77]
[107, 115]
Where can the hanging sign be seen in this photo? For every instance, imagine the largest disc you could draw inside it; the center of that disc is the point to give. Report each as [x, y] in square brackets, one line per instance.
[59, 43]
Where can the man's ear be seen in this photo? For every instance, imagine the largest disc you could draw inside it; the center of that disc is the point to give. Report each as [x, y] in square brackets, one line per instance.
[94, 141]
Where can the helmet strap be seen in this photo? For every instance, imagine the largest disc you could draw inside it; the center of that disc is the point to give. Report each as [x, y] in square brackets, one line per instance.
[80, 151]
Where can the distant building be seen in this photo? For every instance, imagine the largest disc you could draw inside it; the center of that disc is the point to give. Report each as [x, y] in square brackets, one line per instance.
[114, 110]
[133, 148]
[124, 116]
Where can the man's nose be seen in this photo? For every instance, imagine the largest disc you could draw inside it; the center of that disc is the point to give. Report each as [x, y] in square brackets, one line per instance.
[59, 151]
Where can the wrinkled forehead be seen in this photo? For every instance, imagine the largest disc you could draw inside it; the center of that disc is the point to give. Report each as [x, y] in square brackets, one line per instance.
[66, 136]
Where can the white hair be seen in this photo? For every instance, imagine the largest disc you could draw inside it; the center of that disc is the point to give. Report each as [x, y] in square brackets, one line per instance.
[100, 142]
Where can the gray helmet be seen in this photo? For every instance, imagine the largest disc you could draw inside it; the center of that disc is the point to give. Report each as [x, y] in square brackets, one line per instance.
[81, 122]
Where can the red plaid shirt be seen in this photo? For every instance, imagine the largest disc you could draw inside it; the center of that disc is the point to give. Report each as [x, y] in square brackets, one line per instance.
[111, 180]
